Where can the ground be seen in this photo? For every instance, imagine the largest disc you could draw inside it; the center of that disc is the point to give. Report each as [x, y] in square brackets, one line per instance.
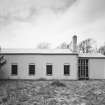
[40, 92]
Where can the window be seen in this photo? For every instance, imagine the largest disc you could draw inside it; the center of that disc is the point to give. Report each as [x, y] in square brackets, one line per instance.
[66, 69]
[31, 69]
[14, 69]
[83, 69]
[49, 69]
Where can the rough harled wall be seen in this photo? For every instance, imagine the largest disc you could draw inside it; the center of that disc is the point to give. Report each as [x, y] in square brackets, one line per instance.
[97, 68]
[40, 66]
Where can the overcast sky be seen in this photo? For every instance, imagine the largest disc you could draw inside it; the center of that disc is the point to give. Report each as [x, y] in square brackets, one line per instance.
[25, 23]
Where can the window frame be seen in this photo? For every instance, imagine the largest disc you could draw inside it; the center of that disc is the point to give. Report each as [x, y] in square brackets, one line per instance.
[30, 72]
[49, 64]
[83, 68]
[14, 74]
[66, 64]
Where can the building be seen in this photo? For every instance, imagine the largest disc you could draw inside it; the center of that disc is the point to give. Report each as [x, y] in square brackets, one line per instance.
[52, 64]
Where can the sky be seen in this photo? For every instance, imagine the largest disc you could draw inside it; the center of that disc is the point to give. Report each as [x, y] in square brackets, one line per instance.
[26, 23]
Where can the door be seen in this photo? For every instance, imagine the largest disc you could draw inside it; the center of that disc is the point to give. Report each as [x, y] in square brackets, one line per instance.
[83, 69]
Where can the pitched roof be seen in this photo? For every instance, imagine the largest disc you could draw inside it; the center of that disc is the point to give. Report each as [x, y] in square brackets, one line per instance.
[91, 55]
[36, 51]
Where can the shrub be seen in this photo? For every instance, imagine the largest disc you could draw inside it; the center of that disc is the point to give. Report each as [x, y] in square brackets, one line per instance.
[42, 79]
[24, 98]
[4, 100]
[53, 102]
[58, 83]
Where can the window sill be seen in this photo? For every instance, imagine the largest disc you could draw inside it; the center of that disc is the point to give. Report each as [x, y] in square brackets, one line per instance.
[31, 74]
[66, 75]
[14, 75]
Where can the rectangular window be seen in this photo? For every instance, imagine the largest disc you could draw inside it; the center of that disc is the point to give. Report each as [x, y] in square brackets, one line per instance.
[31, 69]
[66, 69]
[14, 69]
[83, 69]
[49, 69]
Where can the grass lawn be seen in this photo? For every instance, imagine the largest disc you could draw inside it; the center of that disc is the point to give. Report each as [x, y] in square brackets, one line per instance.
[24, 92]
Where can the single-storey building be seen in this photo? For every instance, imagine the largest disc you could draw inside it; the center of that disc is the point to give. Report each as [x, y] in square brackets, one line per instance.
[52, 64]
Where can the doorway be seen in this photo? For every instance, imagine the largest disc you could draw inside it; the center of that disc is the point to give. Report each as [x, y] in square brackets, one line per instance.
[83, 72]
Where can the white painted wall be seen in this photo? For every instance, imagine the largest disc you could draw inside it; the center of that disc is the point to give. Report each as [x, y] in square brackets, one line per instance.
[40, 65]
[97, 68]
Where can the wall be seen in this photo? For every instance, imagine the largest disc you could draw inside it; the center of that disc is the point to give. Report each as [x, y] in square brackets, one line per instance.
[97, 68]
[40, 65]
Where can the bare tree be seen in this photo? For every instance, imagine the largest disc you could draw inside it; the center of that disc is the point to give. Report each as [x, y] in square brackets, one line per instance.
[63, 45]
[87, 46]
[2, 59]
[43, 45]
[102, 49]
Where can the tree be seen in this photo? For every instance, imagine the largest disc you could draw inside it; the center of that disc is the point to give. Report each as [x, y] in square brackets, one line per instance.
[2, 60]
[43, 45]
[65, 45]
[87, 46]
[102, 49]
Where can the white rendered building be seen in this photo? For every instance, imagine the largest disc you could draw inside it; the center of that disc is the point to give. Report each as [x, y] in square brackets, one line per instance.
[52, 64]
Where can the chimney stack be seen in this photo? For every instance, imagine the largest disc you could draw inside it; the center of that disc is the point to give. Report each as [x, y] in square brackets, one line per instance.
[74, 43]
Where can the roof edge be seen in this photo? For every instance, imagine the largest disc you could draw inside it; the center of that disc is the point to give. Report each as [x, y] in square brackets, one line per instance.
[39, 53]
[92, 57]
